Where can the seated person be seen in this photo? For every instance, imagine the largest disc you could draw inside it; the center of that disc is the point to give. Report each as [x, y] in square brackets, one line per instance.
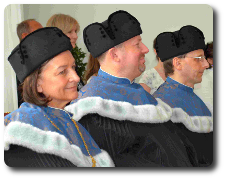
[151, 79]
[40, 133]
[121, 116]
[92, 68]
[182, 54]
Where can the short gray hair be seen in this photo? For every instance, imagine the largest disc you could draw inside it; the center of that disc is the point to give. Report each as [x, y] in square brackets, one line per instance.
[23, 27]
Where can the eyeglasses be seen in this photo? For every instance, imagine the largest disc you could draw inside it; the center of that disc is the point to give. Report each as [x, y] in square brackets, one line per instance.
[201, 58]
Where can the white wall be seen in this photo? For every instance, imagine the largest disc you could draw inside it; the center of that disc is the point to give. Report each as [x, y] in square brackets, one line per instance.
[154, 19]
[12, 16]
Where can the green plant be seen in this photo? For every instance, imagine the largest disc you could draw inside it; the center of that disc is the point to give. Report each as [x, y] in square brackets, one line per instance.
[79, 55]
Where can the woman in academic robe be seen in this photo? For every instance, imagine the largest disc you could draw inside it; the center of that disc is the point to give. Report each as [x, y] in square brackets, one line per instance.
[41, 133]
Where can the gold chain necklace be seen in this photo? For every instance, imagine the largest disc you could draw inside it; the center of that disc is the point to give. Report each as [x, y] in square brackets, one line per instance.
[77, 127]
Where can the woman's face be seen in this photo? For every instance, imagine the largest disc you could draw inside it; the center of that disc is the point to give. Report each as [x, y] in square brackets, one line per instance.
[73, 36]
[58, 80]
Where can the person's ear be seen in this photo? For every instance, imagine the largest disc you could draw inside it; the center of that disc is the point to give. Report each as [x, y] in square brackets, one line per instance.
[113, 52]
[177, 63]
[24, 35]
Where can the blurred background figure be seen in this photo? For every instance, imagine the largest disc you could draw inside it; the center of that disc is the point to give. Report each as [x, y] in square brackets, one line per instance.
[23, 29]
[209, 54]
[26, 27]
[67, 24]
[92, 68]
[205, 89]
[151, 79]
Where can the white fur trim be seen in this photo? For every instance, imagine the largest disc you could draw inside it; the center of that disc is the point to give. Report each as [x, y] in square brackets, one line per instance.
[49, 142]
[103, 160]
[147, 113]
[200, 124]
[121, 110]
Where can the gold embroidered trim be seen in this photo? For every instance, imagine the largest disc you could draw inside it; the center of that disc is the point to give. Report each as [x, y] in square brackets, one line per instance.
[77, 127]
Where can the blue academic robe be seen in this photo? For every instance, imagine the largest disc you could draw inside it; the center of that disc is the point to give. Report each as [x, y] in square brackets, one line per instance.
[190, 110]
[130, 124]
[50, 130]
[181, 96]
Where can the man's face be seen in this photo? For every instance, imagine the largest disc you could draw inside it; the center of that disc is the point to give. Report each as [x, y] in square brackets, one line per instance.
[133, 57]
[34, 25]
[193, 68]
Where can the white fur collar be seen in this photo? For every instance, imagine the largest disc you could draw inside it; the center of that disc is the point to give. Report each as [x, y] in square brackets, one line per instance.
[147, 113]
[49, 142]
[119, 110]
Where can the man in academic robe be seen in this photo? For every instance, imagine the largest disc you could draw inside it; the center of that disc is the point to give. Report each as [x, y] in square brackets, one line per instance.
[182, 54]
[125, 120]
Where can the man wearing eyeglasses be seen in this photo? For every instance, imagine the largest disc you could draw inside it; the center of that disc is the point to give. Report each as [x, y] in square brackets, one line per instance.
[182, 54]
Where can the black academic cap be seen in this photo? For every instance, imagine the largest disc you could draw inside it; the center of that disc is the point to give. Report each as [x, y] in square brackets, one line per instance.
[119, 27]
[172, 44]
[36, 48]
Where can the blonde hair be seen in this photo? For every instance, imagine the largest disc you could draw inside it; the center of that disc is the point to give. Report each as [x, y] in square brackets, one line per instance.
[63, 22]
